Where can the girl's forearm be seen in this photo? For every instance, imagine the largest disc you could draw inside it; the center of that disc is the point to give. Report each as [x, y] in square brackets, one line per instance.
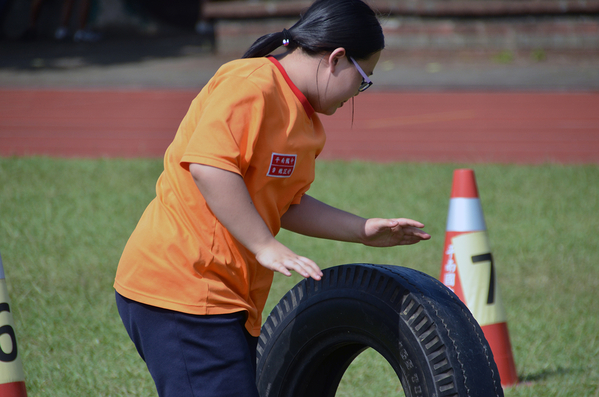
[316, 219]
[229, 200]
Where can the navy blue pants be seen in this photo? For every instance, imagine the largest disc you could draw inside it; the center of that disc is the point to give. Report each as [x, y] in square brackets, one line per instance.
[190, 355]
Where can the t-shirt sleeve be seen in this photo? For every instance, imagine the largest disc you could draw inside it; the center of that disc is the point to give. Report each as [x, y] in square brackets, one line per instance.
[230, 115]
[298, 197]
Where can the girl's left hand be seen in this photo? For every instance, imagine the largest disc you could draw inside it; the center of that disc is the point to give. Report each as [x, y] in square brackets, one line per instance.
[390, 232]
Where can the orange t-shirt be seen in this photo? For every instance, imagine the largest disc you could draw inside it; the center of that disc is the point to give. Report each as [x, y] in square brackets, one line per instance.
[249, 119]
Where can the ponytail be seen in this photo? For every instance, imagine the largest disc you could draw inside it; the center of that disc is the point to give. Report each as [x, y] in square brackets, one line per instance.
[325, 26]
[270, 42]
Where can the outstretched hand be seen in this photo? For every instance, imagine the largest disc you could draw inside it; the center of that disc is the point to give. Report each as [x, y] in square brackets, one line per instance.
[279, 258]
[380, 232]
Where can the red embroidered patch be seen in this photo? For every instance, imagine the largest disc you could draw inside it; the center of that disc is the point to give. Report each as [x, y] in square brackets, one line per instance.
[281, 165]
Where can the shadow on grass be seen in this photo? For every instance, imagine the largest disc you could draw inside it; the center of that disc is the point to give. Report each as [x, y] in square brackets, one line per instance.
[548, 374]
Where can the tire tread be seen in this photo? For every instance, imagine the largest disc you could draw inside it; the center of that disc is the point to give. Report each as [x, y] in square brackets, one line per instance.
[421, 303]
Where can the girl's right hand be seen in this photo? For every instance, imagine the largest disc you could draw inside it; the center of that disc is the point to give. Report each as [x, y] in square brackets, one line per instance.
[279, 258]
[228, 198]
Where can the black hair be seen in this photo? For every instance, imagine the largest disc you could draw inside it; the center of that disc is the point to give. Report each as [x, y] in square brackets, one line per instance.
[325, 26]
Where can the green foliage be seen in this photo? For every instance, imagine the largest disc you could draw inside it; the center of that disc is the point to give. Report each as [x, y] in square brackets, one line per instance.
[504, 57]
[64, 223]
[538, 55]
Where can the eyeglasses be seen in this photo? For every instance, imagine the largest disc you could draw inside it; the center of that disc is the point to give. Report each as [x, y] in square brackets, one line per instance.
[365, 80]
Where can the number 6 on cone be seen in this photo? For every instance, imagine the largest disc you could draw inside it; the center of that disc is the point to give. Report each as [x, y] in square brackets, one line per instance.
[12, 377]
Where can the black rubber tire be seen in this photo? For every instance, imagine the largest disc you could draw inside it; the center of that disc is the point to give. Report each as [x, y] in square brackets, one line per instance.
[418, 325]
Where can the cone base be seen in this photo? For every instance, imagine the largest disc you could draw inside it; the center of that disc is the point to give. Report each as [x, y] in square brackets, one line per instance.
[499, 339]
[13, 389]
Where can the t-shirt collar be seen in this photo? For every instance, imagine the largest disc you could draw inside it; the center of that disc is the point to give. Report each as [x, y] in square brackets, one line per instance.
[307, 107]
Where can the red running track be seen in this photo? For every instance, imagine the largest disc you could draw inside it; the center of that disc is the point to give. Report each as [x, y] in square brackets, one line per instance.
[501, 127]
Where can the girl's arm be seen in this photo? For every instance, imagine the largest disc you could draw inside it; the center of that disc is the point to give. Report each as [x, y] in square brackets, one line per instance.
[317, 219]
[229, 200]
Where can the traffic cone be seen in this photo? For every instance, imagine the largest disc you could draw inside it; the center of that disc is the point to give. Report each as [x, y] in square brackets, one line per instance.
[12, 377]
[468, 270]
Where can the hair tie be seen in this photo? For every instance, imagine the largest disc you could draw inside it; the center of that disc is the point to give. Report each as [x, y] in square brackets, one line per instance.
[286, 37]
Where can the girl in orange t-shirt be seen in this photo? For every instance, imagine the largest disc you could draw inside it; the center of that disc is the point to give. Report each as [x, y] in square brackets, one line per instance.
[195, 274]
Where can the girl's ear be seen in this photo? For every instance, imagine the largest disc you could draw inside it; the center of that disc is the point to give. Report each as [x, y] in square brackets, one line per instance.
[335, 57]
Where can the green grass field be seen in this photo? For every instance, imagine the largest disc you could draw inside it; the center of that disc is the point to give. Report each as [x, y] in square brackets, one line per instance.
[64, 223]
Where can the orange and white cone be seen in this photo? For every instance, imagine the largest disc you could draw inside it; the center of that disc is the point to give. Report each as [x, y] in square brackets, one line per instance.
[468, 270]
[12, 377]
